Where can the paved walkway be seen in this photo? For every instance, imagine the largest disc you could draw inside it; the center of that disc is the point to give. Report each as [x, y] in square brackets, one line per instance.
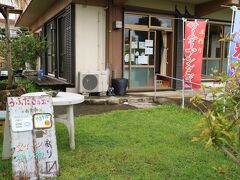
[138, 97]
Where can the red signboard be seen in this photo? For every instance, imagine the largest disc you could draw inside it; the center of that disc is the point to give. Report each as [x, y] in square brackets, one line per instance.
[193, 53]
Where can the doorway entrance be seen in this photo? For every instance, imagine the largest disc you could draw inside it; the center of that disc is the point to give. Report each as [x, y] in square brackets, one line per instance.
[147, 50]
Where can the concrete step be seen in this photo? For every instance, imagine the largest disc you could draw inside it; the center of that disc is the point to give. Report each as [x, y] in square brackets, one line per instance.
[112, 100]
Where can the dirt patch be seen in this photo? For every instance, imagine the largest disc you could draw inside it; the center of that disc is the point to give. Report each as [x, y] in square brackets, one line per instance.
[4, 94]
[86, 109]
[188, 104]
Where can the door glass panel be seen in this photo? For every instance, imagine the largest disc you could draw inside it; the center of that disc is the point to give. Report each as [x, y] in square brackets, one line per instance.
[136, 19]
[159, 48]
[151, 48]
[142, 77]
[138, 52]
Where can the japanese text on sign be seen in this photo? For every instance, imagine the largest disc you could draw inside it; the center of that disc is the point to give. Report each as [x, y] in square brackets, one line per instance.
[193, 51]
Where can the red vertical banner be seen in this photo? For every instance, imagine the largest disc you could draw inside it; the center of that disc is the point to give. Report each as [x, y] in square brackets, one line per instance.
[193, 52]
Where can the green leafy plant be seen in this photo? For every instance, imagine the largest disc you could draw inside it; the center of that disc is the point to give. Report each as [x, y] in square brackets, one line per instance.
[26, 48]
[220, 125]
[28, 85]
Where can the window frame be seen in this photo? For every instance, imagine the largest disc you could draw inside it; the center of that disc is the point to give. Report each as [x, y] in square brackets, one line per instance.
[222, 58]
[69, 69]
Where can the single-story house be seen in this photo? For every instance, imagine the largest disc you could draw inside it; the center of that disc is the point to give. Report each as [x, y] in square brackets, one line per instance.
[92, 41]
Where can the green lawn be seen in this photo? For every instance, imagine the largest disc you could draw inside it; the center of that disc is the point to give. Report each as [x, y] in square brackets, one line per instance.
[135, 144]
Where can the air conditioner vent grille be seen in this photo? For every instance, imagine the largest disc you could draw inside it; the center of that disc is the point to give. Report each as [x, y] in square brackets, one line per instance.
[90, 82]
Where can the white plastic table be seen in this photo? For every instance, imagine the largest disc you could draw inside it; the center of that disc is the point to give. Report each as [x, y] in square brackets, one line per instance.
[66, 99]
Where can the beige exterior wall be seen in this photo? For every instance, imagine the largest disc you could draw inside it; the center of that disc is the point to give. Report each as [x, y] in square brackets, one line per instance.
[224, 15]
[90, 39]
[161, 5]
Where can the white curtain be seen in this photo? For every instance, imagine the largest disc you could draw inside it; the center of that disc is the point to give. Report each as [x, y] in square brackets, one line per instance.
[164, 54]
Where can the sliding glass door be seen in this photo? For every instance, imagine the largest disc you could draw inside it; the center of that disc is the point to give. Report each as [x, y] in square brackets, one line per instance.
[147, 50]
[139, 57]
[61, 47]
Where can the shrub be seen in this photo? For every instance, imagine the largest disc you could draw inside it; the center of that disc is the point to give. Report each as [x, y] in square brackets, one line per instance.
[28, 85]
[26, 48]
[219, 125]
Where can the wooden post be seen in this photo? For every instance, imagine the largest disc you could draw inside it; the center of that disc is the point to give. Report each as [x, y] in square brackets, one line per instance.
[9, 51]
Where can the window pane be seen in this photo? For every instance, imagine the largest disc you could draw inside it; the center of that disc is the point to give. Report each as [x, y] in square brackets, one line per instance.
[204, 65]
[227, 31]
[126, 46]
[225, 63]
[142, 77]
[213, 67]
[136, 19]
[205, 51]
[126, 73]
[161, 22]
[61, 47]
[51, 48]
[214, 44]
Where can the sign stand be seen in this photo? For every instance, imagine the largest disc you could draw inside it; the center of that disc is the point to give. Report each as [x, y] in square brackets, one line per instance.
[30, 127]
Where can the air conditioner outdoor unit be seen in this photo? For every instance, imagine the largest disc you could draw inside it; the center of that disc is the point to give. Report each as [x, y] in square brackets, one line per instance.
[90, 82]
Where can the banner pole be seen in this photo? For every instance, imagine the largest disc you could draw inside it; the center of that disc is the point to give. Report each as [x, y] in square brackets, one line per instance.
[183, 81]
[234, 8]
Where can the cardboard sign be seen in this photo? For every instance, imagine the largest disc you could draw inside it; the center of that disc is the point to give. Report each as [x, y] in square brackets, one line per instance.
[33, 140]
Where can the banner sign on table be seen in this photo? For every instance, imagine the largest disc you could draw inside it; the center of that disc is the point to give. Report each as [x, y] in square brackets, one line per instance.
[234, 54]
[193, 52]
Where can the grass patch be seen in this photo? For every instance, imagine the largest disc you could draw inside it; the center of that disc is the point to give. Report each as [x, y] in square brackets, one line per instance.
[136, 144]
